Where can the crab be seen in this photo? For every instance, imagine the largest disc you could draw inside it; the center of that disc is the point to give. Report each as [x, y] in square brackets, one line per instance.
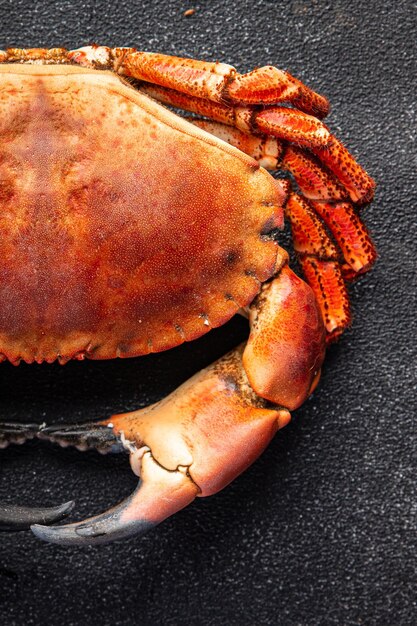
[128, 229]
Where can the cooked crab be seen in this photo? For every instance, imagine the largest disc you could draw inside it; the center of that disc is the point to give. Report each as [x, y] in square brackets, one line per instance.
[126, 229]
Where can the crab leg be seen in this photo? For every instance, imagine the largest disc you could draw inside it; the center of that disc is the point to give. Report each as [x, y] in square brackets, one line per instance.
[198, 439]
[282, 122]
[13, 518]
[350, 234]
[218, 82]
[318, 258]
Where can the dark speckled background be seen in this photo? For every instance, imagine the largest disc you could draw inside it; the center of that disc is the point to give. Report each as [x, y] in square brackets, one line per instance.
[319, 530]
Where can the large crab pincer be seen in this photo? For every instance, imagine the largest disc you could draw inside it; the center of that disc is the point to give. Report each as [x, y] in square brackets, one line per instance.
[128, 230]
[198, 439]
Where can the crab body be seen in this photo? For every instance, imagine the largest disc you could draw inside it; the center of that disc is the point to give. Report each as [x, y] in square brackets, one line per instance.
[124, 250]
[126, 230]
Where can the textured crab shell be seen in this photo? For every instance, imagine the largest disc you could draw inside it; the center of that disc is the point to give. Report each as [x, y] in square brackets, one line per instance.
[123, 228]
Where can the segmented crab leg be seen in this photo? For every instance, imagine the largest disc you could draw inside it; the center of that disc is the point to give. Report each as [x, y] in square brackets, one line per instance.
[198, 439]
[319, 260]
[325, 266]
[12, 517]
[218, 82]
[281, 122]
[350, 234]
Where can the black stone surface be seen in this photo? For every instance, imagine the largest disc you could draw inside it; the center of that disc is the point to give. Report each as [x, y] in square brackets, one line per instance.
[320, 529]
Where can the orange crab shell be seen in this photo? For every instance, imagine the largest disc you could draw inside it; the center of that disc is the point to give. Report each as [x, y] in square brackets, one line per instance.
[124, 229]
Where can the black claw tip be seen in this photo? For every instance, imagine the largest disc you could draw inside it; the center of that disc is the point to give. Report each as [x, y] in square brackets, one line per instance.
[13, 518]
[112, 525]
[91, 533]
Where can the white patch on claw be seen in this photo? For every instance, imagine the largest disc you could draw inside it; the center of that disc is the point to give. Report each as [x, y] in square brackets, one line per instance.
[136, 459]
[135, 454]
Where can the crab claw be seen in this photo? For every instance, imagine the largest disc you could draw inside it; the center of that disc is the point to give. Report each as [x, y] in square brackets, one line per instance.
[140, 511]
[13, 518]
[208, 431]
[192, 443]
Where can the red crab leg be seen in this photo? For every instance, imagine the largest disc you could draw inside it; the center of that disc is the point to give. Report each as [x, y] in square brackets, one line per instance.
[198, 439]
[326, 280]
[315, 182]
[282, 122]
[350, 234]
[319, 261]
[12, 517]
[218, 82]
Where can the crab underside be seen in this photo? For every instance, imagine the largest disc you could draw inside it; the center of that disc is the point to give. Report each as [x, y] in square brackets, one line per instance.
[127, 229]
